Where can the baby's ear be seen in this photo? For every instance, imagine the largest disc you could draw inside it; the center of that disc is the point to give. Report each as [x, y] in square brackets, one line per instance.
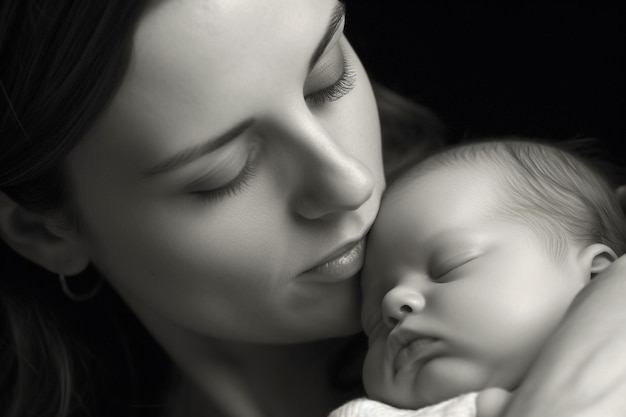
[596, 258]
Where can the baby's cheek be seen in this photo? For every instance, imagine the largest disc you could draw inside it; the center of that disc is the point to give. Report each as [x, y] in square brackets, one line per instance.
[373, 370]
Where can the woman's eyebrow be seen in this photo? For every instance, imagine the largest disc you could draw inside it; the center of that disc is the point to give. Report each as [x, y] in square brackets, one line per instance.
[337, 16]
[195, 152]
[191, 154]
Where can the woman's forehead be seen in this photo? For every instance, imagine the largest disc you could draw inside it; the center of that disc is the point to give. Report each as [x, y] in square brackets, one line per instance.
[228, 26]
[200, 67]
[220, 52]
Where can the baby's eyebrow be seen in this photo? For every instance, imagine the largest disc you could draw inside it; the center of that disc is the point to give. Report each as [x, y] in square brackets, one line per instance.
[337, 16]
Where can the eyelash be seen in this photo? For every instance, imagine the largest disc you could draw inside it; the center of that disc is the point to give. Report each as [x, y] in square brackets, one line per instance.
[234, 187]
[335, 91]
[443, 276]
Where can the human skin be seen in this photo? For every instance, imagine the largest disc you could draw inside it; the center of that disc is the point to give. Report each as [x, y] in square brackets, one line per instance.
[457, 298]
[236, 267]
[314, 189]
[577, 379]
[327, 155]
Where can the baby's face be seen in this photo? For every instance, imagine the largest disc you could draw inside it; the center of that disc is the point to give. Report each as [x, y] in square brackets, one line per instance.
[456, 299]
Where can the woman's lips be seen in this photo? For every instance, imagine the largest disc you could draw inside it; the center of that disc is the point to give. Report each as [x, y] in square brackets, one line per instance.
[342, 265]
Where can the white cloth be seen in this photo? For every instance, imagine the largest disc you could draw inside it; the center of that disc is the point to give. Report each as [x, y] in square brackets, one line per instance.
[461, 406]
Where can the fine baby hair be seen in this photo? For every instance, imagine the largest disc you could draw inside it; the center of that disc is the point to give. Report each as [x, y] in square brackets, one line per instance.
[476, 255]
[181, 185]
[555, 190]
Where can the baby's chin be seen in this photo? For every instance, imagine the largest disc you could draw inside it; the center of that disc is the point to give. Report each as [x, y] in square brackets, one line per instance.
[432, 383]
[411, 400]
[400, 397]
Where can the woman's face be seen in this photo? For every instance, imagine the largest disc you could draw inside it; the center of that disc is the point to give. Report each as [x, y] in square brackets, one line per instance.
[240, 155]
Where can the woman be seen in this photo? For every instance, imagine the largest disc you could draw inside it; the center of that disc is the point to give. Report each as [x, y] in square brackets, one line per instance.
[218, 164]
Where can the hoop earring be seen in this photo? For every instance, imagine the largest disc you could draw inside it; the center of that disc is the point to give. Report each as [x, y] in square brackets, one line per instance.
[79, 297]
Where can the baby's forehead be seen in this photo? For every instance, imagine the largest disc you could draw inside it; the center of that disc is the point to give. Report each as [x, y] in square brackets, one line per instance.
[449, 197]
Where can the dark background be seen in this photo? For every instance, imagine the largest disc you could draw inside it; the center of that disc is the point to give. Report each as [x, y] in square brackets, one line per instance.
[550, 70]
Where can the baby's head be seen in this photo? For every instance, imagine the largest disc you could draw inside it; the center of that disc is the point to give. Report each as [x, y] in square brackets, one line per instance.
[475, 256]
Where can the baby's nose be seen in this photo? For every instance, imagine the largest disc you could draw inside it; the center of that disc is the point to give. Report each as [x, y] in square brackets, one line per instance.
[400, 302]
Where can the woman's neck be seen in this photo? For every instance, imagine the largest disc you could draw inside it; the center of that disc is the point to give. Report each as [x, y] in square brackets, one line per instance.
[242, 380]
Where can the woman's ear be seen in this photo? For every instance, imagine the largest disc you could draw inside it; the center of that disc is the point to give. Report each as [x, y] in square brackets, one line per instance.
[595, 258]
[41, 239]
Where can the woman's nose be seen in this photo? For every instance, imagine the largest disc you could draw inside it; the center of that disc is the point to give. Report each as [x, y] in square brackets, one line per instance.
[332, 177]
[400, 302]
[335, 183]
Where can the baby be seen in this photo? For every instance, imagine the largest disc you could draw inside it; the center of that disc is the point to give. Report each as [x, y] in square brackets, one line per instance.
[474, 258]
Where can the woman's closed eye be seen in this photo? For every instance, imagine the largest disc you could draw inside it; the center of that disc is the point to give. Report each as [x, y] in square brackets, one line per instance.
[210, 192]
[342, 86]
[331, 79]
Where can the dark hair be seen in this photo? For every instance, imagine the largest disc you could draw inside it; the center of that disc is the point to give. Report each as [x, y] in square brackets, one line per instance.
[561, 194]
[61, 62]
[411, 132]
